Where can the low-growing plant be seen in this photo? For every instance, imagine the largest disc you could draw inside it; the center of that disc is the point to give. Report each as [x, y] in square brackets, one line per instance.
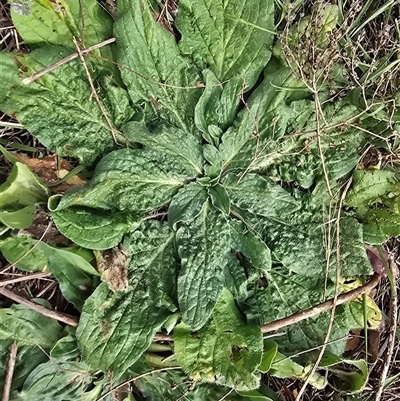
[224, 196]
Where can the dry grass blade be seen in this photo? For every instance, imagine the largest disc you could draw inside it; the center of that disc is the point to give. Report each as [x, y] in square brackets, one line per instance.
[392, 274]
[25, 277]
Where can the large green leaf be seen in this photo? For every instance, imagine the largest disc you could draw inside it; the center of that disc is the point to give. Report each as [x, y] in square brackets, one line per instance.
[34, 335]
[43, 21]
[218, 104]
[259, 195]
[186, 204]
[226, 351]
[19, 196]
[371, 187]
[166, 139]
[51, 381]
[73, 273]
[251, 142]
[59, 108]
[152, 67]
[128, 180]
[232, 37]
[117, 327]
[203, 247]
[93, 228]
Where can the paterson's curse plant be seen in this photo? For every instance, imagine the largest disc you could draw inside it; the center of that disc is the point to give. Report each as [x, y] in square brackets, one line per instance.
[222, 200]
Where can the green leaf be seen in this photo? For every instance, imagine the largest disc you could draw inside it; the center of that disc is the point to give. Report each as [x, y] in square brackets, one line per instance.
[250, 142]
[153, 69]
[117, 327]
[259, 195]
[251, 246]
[380, 225]
[269, 354]
[217, 105]
[19, 195]
[372, 187]
[220, 198]
[51, 381]
[284, 367]
[166, 139]
[34, 334]
[126, 180]
[42, 21]
[186, 205]
[203, 247]
[66, 348]
[58, 108]
[347, 375]
[93, 228]
[232, 37]
[70, 270]
[20, 252]
[226, 351]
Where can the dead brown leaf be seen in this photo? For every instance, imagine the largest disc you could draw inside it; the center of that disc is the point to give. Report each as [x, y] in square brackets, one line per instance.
[111, 265]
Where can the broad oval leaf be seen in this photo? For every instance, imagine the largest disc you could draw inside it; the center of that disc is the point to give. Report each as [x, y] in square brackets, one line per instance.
[117, 327]
[186, 204]
[130, 180]
[163, 138]
[259, 195]
[233, 37]
[93, 228]
[203, 247]
[153, 69]
[226, 350]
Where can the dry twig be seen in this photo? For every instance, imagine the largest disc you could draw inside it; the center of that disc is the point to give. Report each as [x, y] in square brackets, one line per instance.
[61, 317]
[10, 371]
[66, 60]
[392, 326]
[25, 277]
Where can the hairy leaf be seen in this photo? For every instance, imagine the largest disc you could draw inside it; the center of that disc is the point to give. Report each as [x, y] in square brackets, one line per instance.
[117, 327]
[217, 105]
[226, 351]
[152, 67]
[34, 334]
[186, 205]
[232, 37]
[93, 228]
[163, 139]
[43, 21]
[58, 108]
[203, 247]
[259, 195]
[126, 180]
[250, 142]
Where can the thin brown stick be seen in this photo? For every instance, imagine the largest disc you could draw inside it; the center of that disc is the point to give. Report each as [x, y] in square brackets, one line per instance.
[61, 317]
[136, 378]
[66, 60]
[113, 130]
[26, 277]
[305, 314]
[324, 307]
[10, 372]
